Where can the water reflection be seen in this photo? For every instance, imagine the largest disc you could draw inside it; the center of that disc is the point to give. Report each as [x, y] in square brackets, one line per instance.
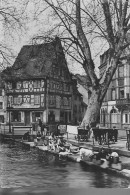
[20, 168]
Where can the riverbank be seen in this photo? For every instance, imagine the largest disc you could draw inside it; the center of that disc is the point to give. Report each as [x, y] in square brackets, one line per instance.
[119, 147]
[75, 157]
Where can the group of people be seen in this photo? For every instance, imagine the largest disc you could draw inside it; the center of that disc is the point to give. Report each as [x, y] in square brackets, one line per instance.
[112, 157]
[108, 155]
[55, 143]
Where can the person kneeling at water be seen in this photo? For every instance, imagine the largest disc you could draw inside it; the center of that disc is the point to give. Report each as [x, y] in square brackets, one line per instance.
[86, 154]
[26, 136]
[60, 145]
[51, 145]
[101, 154]
[114, 158]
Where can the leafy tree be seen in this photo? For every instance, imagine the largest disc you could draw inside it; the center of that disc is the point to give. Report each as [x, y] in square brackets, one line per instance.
[81, 24]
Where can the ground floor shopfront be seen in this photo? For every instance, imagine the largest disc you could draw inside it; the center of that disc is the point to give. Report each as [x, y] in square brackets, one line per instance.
[28, 116]
[113, 115]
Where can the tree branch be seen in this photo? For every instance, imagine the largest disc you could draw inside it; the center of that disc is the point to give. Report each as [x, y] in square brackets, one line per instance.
[107, 15]
[85, 46]
[124, 12]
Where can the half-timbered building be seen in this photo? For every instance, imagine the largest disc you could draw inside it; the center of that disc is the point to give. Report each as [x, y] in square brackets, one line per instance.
[39, 85]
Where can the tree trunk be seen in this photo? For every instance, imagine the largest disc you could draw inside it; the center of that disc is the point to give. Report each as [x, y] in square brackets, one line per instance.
[93, 110]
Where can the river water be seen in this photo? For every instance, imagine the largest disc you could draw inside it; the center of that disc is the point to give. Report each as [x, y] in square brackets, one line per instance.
[22, 169]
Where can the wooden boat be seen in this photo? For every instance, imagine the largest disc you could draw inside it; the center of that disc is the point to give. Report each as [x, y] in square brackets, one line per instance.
[102, 162]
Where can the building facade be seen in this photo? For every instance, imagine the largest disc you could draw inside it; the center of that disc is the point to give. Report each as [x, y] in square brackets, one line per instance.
[39, 86]
[2, 103]
[79, 106]
[115, 110]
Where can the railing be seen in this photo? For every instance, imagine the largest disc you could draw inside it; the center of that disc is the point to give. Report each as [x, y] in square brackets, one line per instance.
[4, 128]
[122, 102]
[77, 133]
[105, 135]
[21, 130]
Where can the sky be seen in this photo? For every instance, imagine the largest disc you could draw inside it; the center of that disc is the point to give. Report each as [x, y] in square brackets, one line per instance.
[33, 28]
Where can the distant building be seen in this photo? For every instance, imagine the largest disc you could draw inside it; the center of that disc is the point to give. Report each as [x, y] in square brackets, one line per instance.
[39, 86]
[115, 110]
[79, 106]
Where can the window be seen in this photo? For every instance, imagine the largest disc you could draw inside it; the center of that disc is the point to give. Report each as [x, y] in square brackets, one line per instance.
[121, 82]
[9, 85]
[121, 93]
[16, 116]
[42, 99]
[52, 100]
[0, 92]
[126, 118]
[57, 85]
[37, 99]
[37, 84]
[32, 99]
[26, 98]
[58, 101]
[1, 119]
[1, 105]
[65, 100]
[121, 71]
[25, 84]
[113, 94]
[114, 115]
[15, 100]
[42, 83]
[18, 99]
[37, 114]
[18, 85]
[10, 99]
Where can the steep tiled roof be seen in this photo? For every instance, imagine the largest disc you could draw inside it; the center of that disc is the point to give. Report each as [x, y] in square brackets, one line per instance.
[36, 60]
